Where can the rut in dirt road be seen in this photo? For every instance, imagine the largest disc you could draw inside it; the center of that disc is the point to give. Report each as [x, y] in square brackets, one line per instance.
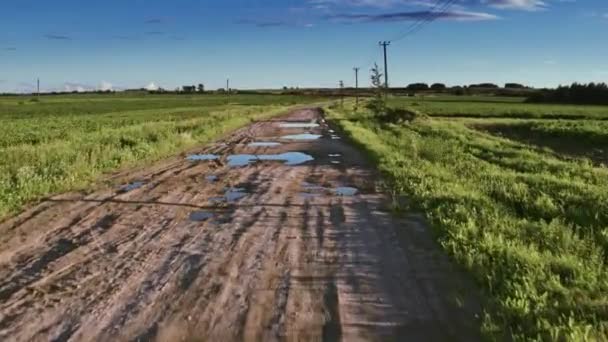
[278, 232]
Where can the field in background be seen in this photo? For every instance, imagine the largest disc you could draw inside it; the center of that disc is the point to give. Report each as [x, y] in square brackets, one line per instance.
[61, 143]
[522, 204]
[499, 107]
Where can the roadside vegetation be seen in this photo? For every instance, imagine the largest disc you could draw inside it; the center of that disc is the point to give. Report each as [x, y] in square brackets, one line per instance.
[64, 143]
[529, 224]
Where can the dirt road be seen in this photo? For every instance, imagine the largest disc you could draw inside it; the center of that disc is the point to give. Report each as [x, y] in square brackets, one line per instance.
[289, 241]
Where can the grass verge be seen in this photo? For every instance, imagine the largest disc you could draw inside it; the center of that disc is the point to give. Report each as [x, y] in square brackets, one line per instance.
[530, 227]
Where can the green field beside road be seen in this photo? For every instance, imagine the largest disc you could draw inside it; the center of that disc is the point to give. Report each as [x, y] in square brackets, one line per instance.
[62, 143]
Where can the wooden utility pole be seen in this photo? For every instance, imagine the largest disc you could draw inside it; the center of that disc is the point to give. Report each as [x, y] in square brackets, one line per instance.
[342, 93]
[384, 45]
[357, 85]
[38, 88]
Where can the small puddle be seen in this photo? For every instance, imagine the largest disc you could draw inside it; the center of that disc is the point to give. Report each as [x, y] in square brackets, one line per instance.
[212, 178]
[131, 186]
[234, 194]
[336, 162]
[345, 191]
[304, 136]
[335, 137]
[289, 158]
[202, 157]
[334, 155]
[332, 131]
[200, 216]
[264, 144]
[299, 125]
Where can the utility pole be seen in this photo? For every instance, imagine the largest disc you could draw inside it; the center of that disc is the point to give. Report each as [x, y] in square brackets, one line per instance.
[228, 85]
[356, 86]
[384, 44]
[38, 88]
[341, 93]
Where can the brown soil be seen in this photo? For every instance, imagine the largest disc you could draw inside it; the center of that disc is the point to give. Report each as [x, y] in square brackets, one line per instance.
[291, 260]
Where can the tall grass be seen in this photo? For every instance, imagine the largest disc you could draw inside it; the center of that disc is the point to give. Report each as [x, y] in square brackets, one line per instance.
[530, 227]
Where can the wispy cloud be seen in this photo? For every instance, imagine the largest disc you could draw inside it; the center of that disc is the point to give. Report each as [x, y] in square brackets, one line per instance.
[57, 37]
[528, 5]
[273, 23]
[500, 4]
[409, 16]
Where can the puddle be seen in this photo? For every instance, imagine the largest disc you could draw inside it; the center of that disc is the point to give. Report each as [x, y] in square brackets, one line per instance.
[334, 155]
[345, 191]
[212, 178]
[264, 144]
[234, 194]
[238, 160]
[335, 137]
[299, 125]
[308, 195]
[336, 162]
[202, 157]
[304, 136]
[332, 131]
[200, 216]
[289, 158]
[131, 186]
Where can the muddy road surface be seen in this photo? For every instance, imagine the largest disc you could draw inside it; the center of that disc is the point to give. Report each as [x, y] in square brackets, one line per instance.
[277, 232]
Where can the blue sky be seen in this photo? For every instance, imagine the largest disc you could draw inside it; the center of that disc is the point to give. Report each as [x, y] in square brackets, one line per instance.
[73, 44]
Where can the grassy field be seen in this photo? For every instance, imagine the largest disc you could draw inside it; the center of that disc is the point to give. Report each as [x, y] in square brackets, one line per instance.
[528, 223]
[63, 143]
[499, 107]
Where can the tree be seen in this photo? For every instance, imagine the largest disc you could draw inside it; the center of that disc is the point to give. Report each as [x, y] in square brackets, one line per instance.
[189, 89]
[484, 85]
[514, 86]
[378, 104]
[418, 86]
[438, 86]
[201, 88]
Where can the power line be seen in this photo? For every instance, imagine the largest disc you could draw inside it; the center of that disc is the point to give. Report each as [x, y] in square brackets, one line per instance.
[440, 8]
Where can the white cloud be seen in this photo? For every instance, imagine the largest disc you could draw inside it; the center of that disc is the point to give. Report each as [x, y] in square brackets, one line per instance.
[151, 86]
[500, 4]
[78, 87]
[105, 86]
[528, 5]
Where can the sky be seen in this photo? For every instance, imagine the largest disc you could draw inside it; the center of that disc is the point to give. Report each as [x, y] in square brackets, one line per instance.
[117, 44]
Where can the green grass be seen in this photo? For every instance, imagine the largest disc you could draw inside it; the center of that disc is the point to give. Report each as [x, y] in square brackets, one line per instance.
[67, 142]
[572, 138]
[509, 107]
[530, 227]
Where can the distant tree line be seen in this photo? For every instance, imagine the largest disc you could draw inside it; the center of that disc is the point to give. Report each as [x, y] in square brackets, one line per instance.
[577, 93]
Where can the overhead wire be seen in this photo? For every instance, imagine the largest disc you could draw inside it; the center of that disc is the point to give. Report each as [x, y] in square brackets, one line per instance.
[439, 9]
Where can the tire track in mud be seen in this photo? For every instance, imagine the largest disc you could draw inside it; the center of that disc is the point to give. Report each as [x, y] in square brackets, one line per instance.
[290, 260]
